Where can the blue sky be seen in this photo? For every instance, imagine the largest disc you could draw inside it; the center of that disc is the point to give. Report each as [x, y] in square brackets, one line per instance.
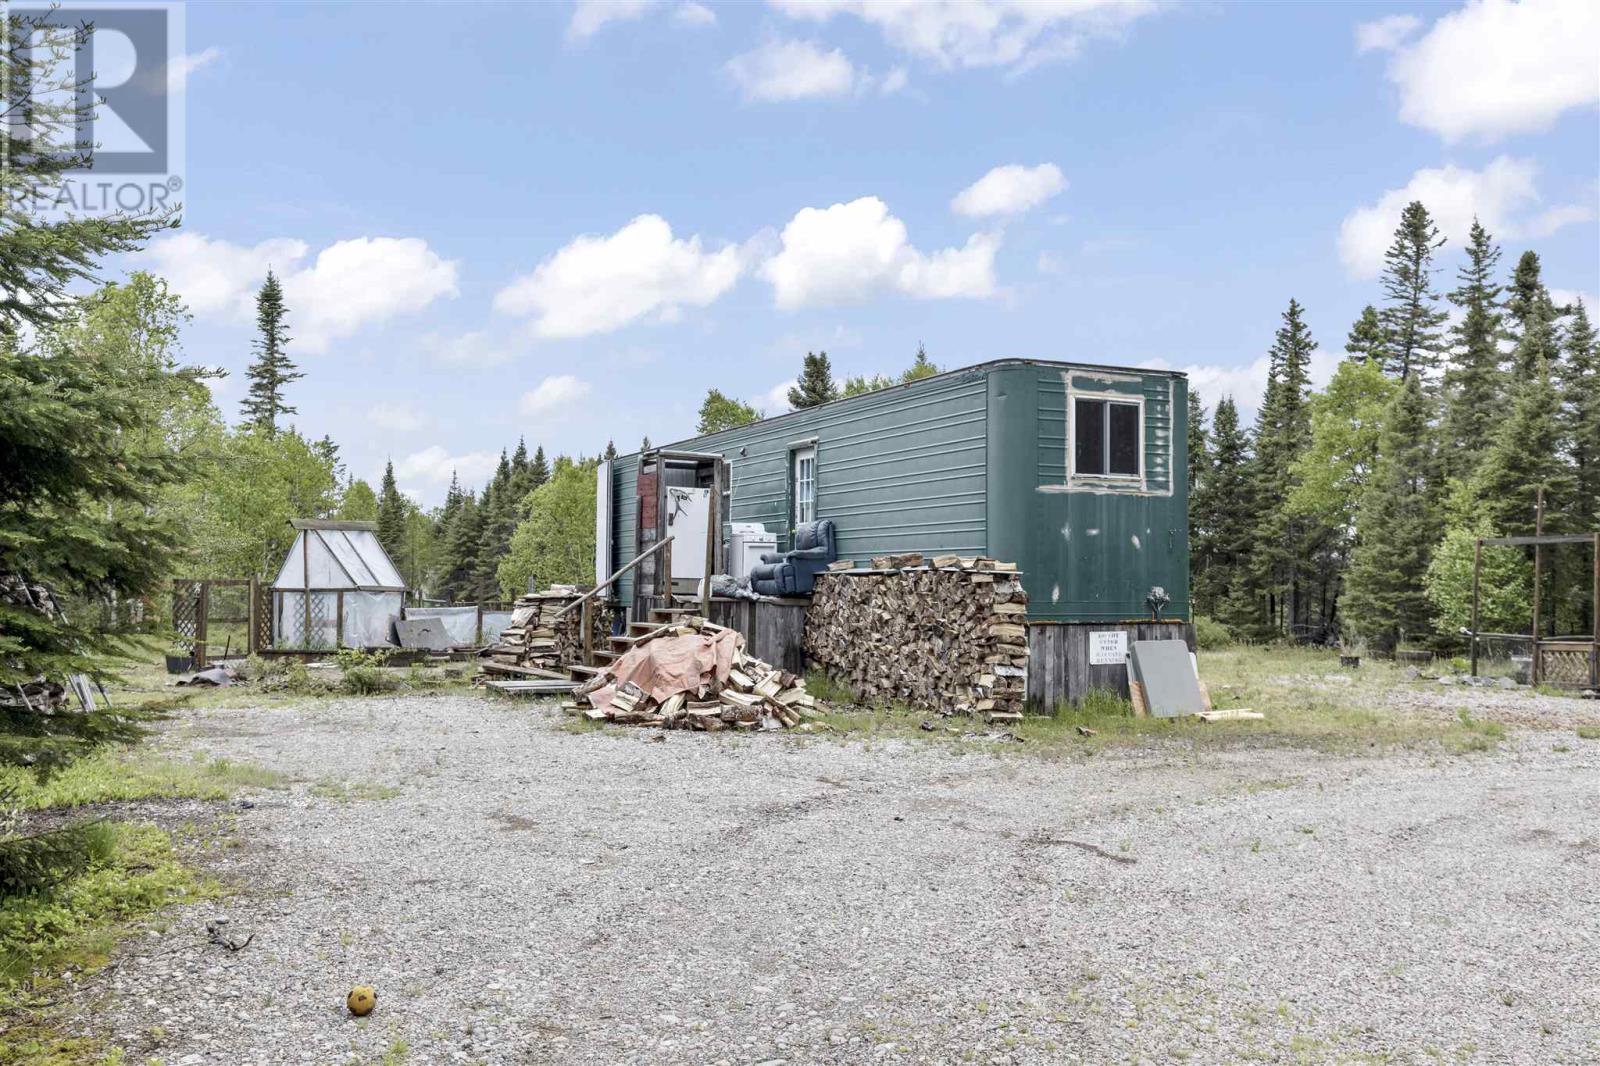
[567, 222]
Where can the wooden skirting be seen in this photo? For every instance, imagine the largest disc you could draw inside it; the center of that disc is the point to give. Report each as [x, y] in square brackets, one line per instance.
[1058, 658]
[774, 630]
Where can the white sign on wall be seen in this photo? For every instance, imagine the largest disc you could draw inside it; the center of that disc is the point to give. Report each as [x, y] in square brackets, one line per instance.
[1108, 649]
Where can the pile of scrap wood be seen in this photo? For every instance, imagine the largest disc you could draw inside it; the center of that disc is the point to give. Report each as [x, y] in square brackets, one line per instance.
[694, 675]
[945, 634]
[537, 640]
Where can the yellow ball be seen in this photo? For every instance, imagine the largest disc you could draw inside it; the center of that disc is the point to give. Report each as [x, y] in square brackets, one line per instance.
[361, 1001]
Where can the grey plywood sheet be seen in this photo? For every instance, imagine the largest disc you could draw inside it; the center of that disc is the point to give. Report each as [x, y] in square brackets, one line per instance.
[1164, 669]
[425, 633]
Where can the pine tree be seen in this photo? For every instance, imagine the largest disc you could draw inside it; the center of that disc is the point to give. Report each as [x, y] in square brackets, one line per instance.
[921, 367]
[460, 549]
[1366, 340]
[1472, 384]
[1283, 432]
[1198, 459]
[1580, 388]
[816, 382]
[1534, 316]
[272, 369]
[611, 450]
[1411, 320]
[1525, 457]
[1224, 519]
[1384, 601]
[499, 521]
[540, 470]
[644, 445]
[391, 514]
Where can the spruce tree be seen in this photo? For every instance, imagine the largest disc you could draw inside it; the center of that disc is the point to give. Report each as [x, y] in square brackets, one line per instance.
[1384, 601]
[610, 452]
[539, 472]
[1525, 457]
[1411, 319]
[1198, 459]
[391, 514]
[816, 382]
[1366, 340]
[1472, 385]
[461, 536]
[272, 369]
[1283, 432]
[1223, 515]
[921, 367]
[1580, 388]
[1534, 317]
[499, 521]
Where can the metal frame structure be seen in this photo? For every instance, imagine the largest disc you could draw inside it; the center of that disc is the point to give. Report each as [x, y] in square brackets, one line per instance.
[1544, 645]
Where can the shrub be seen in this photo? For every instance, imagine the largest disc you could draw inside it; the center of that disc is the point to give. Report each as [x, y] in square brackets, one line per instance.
[1211, 634]
[362, 671]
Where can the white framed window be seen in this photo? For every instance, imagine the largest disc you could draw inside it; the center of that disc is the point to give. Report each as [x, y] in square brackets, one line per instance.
[1107, 437]
[805, 485]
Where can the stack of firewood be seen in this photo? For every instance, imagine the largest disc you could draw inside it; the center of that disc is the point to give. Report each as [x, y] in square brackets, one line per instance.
[537, 638]
[753, 694]
[946, 634]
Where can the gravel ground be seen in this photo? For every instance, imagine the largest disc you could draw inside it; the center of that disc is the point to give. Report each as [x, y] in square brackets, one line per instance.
[519, 893]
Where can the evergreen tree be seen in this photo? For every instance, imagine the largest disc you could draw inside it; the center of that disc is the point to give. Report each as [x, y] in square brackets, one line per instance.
[1534, 318]
[460, 549]
[1366, 341]
[1384, 600]
[540, 470]
[1525, 457]
[611, 450]
[498, 511]
[816, 382]
[1224, 519]
[521, 475]
[1198, 459]
[1472, 383]
[391, 514]
[1580, 387]
[1410, 319]
[272, 369]
[921, 367]
[1283, 432]
[644, 445]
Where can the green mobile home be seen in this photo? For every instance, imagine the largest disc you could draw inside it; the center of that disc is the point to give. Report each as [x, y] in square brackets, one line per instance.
[1074, 472]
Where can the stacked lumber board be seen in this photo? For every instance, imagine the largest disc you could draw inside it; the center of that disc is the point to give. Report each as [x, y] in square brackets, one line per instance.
[946, 634]
[536, 639]
[748, 695]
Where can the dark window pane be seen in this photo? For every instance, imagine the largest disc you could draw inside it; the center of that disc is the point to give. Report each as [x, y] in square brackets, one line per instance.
[1124, 438]
[1089, 437]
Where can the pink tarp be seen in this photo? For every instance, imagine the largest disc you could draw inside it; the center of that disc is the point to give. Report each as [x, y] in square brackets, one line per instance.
[667, 666]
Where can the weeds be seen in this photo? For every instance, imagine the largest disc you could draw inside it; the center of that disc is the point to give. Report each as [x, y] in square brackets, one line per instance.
[121, 775]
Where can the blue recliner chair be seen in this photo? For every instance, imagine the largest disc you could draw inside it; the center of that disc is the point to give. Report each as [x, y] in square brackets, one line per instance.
[794, 573]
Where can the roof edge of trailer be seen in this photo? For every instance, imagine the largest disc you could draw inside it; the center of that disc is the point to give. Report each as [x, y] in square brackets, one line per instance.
[334, 523]
[990, 364]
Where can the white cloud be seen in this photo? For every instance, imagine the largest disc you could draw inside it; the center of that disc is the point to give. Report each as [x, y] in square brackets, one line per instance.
[554, 395]
[1500, 196]
[847, 252]
[395, 416]
[1385, 34]
[433, 465]
[1566, 297]
[792, 70]
[894, 81]
[692, 14]
[597, 284]
[590, 16]
[1245, 382]
[173, 76]
[974, 33]
[1009, 190]
[473, 348]
[775, 401]
[349, 285]
[1497, 67]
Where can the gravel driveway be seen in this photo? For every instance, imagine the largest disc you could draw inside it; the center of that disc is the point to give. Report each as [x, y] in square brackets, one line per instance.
[519, 893]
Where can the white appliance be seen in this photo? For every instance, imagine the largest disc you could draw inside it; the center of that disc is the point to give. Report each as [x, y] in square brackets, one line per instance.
[688, 518]
[746, 542]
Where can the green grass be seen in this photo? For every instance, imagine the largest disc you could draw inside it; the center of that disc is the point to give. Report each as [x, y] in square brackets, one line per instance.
[75, 926]
[1588, 732]
[1308, 701]
[126, 774]
[354, 791]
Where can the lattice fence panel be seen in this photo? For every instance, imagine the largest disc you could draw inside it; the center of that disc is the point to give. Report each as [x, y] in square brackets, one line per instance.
[263, 632]
[1565, 667]
[186, 612]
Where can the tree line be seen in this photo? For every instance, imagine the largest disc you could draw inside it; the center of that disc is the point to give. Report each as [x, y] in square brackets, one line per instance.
[1351, 512]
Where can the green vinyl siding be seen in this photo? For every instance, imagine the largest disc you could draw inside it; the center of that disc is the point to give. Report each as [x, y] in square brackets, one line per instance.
[970, 462]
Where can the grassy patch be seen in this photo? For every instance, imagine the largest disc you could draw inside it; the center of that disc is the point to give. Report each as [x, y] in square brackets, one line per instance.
[73, 927]
[120, 775]
[354, 791]
[1588, 732]
[1308, 700]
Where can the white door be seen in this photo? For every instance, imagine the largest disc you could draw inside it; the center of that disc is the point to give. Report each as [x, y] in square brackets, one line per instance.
[805, 485]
